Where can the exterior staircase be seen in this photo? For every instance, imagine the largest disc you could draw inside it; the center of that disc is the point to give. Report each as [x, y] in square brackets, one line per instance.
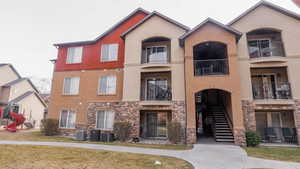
[222, 131]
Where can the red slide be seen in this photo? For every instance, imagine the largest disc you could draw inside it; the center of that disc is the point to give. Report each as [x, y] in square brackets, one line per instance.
[18, 120]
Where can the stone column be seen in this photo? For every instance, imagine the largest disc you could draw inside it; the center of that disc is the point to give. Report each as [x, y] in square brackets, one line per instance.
[239, 137]
[249, 115]
[191, 136]
[297, 118]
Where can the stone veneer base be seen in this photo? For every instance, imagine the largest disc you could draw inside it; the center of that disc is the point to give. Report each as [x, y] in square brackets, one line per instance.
[130, 112]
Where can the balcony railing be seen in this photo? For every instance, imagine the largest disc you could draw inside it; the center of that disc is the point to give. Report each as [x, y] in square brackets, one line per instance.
[266, 49]
[211, 67]
[272, 91]
[156, 58]
[156, 93]
[278, 134]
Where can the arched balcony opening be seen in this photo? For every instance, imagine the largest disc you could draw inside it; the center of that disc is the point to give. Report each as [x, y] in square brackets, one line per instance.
[265, 42]
[210, 58]
[156, 50]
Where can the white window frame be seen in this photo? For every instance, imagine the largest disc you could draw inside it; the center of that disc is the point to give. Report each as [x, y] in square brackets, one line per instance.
[67, 119]
[69, 60]
[105, 115]
[70, 94]
[99, 85]
[109, 59]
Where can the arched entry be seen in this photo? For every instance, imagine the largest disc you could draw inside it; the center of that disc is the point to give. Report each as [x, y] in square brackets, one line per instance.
[213, 115]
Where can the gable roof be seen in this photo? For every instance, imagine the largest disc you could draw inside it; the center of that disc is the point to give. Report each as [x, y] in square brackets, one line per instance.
[9, 84]
[267, 4]
[155, 13]
[25, 95]
[12, 68]
[212, 21]
[138, 10]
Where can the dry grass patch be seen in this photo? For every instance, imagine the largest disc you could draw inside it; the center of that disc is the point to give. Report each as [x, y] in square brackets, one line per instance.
[38, 136]
[38, 157]
[291, 154]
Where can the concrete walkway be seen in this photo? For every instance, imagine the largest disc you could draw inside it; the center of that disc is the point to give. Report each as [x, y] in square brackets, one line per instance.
[202, 156]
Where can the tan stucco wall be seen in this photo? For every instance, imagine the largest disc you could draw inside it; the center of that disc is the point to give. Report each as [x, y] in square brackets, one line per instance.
[154, 27]
[7, 75]
[32, 107]
[264, 17]
[229, 83]
[88, 92]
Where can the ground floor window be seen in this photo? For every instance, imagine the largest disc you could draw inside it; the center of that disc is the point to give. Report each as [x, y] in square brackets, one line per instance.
[105, 120]
[276, 126]
[154, 124]
[67, 119]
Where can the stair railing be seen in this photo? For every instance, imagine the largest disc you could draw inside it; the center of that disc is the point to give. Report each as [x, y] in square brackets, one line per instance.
[228, 118]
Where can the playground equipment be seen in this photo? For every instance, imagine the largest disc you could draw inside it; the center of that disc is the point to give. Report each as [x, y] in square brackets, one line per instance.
[11, 112]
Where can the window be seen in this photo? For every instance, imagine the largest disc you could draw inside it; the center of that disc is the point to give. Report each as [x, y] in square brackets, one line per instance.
[109, 52]
[105, 120]
[71, 85]
[107, 85]
[157, 89]
[260, 48]
[156, 54]
[74, 55]
[67, 119]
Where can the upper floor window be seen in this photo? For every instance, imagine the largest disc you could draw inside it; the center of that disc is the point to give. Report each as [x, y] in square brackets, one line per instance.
[67, 119]
[109, 52]
[74, 55]
[265, 43]
[107, 85]
[155, 50]
[71, 85]
[105, 120]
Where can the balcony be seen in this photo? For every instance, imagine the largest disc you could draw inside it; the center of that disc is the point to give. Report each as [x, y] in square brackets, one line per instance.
[211, 67]
[155, 52]
[265, 44]
[265, 49]
[156, 87]
[270, 84]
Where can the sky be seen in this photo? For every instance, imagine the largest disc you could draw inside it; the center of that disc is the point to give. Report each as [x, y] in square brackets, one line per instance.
[29, 28]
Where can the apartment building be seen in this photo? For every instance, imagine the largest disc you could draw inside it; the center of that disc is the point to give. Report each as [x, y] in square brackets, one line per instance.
[216, 80]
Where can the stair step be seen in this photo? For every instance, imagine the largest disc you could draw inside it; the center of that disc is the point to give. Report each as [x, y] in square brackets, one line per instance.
[223, 131]
[224, 134]
[225, 140]
[224, 137]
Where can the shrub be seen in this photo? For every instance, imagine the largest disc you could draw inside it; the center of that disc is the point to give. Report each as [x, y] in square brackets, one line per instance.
[174, 132]
[122, 131]
[49, 127]
[252, 139]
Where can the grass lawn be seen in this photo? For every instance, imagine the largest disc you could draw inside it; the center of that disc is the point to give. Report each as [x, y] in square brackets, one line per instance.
[291, 154]
[37, 136]
[37, 157]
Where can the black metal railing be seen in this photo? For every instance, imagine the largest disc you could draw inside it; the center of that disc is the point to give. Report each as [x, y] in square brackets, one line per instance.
[156, 93]
[275, 49]
[277, 134]
[272, 91]
[211, 67]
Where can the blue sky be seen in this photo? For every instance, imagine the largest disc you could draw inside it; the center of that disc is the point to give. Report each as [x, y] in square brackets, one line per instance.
[29, 28]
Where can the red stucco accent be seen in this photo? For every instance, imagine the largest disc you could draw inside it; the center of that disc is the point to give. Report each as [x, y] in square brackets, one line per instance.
[91, 53]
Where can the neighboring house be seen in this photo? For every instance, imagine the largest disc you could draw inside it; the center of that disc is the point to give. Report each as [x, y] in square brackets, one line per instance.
[17, 90]
[216, 80]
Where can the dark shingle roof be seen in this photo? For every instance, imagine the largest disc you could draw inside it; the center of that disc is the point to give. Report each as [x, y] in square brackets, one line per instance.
[267, 4]
[138, 10]
[155, 13]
